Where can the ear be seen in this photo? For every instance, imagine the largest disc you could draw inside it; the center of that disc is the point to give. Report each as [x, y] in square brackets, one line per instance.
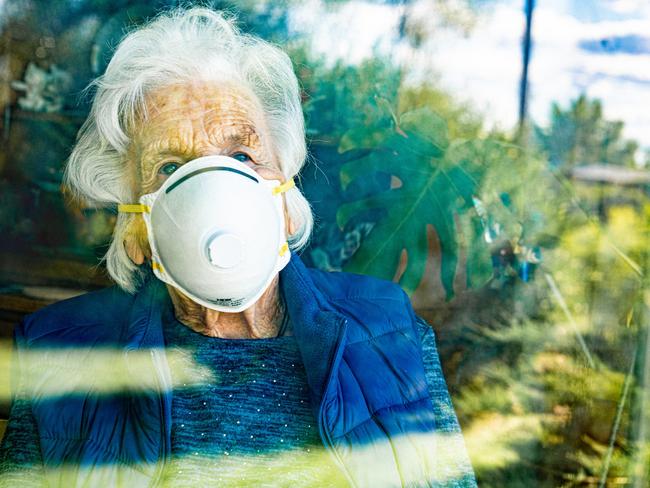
[273, 173]
[135, 241]
[290, 225]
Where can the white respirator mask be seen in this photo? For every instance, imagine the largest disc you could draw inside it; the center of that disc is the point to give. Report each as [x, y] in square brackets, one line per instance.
[216, 231]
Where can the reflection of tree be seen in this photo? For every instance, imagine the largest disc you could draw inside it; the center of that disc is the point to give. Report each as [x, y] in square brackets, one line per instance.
[537, 409]
[581, 135]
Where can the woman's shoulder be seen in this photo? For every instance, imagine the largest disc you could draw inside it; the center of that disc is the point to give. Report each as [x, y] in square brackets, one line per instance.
[88, 317]
[339, 285]
[372, 306]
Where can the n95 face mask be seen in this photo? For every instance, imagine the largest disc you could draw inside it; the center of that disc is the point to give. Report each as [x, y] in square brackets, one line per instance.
[216, 231]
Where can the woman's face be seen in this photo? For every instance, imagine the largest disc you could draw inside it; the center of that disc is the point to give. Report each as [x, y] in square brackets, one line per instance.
[185, 122]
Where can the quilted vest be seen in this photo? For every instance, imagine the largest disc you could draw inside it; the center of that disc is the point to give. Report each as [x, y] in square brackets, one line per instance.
[361, 351]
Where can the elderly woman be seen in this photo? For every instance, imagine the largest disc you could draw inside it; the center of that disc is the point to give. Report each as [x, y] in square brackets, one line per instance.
[219, 359]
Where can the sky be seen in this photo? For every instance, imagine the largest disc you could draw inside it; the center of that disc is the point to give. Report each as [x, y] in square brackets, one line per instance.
[600, 47]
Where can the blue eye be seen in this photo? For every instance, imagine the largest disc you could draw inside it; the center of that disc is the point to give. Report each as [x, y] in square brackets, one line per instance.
[242, 157]
[168, 168]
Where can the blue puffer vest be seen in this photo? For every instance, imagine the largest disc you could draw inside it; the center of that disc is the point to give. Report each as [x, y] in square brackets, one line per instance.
[361, 350]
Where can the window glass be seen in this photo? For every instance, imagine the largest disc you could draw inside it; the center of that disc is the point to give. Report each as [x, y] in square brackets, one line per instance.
[490, 156]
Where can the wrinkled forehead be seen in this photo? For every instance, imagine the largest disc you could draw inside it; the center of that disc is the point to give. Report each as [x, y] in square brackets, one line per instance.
[201, 100]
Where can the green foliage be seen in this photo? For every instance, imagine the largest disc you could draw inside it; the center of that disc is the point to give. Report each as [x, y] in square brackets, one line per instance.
[581, 135]
[342, 98]
[534, 412]
[426, 193]
[437, 183]
[461, 119]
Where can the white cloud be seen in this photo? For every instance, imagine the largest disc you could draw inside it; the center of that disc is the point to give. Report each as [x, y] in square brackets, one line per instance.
[628, 6]
[351, 31]
[560, 69]
[485, 67]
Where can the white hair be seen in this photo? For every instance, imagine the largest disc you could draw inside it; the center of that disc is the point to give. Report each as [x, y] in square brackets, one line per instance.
[181, 46]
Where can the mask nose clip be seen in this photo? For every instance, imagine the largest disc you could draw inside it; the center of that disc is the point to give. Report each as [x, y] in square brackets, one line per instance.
[225, 250]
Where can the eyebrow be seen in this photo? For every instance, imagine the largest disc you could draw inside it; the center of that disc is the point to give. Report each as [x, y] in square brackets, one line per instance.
[240, 137]
[163, 146]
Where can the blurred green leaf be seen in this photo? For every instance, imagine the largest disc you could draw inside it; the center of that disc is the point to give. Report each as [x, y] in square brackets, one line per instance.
[427, 191]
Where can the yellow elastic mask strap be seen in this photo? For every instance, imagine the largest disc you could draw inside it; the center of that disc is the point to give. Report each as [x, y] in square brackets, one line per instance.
[157, 266]
[284, 187]
[133, 208]
[283, 249]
